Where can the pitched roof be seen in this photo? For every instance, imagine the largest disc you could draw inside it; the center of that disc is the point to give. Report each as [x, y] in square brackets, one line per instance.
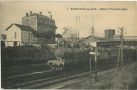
[24, 28]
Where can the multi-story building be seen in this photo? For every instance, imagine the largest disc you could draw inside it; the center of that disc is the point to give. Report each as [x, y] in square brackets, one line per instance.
[42, 24]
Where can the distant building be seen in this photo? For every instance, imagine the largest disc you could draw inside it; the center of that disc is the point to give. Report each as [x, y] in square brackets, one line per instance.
[18, 34]
[3, 39]
[127, 38]
[43, 24]
[91, 39]
[112, 40]
[109, 33]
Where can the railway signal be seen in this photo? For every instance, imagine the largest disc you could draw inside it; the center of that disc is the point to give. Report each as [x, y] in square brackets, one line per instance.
[94, 45]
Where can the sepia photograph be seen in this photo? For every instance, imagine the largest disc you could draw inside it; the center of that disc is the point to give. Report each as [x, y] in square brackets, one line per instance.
[68, 44]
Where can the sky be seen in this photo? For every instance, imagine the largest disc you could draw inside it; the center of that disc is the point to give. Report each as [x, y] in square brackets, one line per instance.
[102, 15]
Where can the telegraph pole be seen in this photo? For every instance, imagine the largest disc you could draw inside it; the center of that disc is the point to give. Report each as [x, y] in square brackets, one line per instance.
[92, 31]
[120, 60]
[120, 54]
[77, 25]
[122, 42]
[92, 28]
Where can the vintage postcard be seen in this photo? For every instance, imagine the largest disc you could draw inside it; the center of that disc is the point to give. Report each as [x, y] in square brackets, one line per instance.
[68, 44]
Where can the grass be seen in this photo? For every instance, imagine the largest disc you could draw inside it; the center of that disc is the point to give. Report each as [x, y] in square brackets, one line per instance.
[124, 79]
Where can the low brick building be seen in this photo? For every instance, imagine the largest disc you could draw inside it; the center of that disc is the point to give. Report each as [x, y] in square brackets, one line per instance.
[18, 34]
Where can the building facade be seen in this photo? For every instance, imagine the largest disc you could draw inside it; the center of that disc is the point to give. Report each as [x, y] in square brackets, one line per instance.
[109, 33]
[18, 34]
[42, 24]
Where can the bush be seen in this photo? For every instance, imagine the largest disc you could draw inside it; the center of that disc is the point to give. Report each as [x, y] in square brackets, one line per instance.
[24, 55]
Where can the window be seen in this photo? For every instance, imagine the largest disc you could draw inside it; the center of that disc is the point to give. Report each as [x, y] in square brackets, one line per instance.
[15, 36]
[29, 37]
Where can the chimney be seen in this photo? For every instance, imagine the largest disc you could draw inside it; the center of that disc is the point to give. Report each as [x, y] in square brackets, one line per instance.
[30, 13]
[51, 17]
[27, 14]
[40, 13]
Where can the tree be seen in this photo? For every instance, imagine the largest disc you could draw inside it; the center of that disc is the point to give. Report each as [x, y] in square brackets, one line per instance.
[70, 37]
[69, 32]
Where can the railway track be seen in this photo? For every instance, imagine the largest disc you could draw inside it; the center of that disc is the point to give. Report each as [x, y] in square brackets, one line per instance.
[34, 73]
[74, 84]
[17, 79]
[54, 80]
[33, 79]
[40, 83]
[43, 79]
